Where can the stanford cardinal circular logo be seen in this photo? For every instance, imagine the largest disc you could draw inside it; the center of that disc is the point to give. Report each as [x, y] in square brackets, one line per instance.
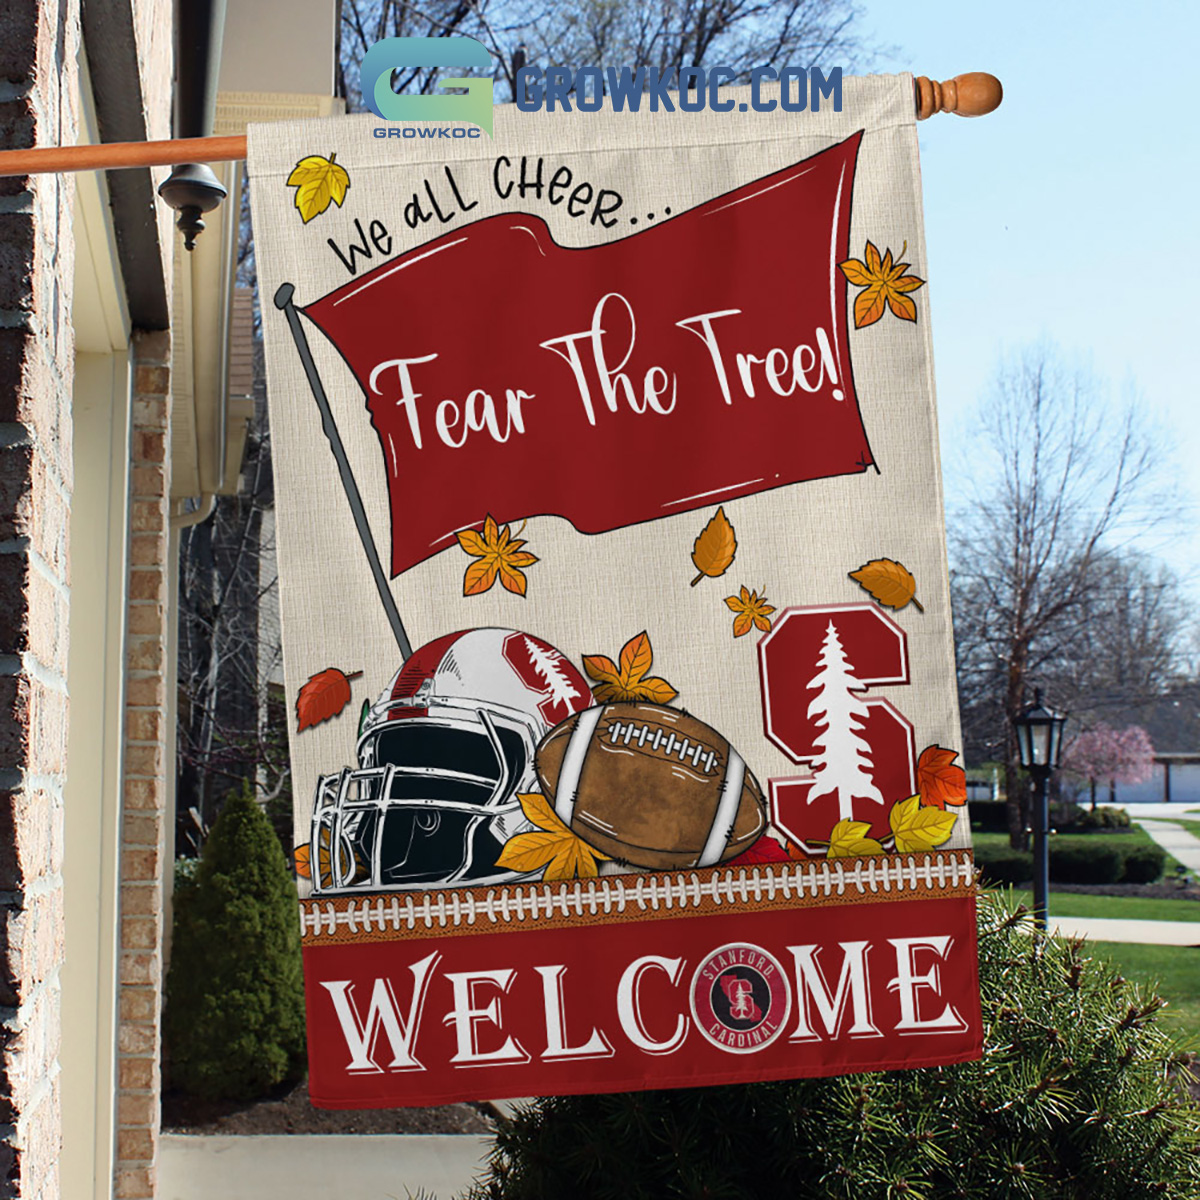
[740, 998]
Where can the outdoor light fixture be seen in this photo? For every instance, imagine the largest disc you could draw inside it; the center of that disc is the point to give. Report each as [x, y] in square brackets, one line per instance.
[1039, 743]
[1039, 736]
[192, 190]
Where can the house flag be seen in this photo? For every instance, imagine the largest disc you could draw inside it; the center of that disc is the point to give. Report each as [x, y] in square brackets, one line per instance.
[615, 604]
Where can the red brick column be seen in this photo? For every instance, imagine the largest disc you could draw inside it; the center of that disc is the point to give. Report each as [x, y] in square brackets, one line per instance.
[38, 81]
[144, 816]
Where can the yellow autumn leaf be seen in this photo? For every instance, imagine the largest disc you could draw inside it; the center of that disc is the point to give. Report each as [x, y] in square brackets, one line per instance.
[889, 582]
[319, 182]
[918, 828]
[574, 860]
[528, 851]
[752, 609]
[849, 838]
[715, 547]
[886, 284]
[540, 812]
[551, 845]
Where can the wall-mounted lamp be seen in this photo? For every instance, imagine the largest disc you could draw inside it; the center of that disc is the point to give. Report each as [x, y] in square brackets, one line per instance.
[192, 190]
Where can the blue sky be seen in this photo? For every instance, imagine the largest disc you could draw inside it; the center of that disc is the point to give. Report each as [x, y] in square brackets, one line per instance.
[1069, 214]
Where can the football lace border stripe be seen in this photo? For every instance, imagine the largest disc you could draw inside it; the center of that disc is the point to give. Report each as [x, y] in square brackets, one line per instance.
[636, 896]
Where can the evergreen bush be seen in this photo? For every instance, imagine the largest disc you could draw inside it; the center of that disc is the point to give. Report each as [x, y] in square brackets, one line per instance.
[1086, 862]
[1066, 814]
[234, 1020]
[1104, 817]
[989, 816]
[1144, 864]
[1003, 864]
[1077, 1097]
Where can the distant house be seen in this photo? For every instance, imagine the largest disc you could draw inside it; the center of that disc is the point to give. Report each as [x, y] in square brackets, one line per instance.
[1173, 723]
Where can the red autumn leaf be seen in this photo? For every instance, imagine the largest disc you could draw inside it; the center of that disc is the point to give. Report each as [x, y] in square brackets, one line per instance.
[325, 695]
[765, 850]
[939, 782]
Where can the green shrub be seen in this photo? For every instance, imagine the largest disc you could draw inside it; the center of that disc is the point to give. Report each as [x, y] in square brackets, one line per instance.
[185, 875]
[1067, 815]
[1104, 818]
[1002, 864]
[989, 816]
[1091, 861]
[1143, 864]
[234, 1020]
[1073, 1098]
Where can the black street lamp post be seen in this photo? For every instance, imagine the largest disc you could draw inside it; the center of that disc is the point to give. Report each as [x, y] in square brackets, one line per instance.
[1039, 743]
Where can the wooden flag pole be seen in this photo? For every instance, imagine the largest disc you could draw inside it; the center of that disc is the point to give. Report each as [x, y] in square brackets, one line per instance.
[111, 156]
[972, 95]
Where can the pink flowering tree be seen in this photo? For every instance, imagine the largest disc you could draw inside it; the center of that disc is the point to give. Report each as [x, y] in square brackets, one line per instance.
[1104, 754]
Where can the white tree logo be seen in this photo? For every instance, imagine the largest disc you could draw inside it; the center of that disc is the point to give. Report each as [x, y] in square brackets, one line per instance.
[844, 765]
[547, 664]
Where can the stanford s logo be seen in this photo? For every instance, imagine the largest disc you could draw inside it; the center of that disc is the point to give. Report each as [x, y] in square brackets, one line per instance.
[739, 991]
[400, 53]
[740, 998]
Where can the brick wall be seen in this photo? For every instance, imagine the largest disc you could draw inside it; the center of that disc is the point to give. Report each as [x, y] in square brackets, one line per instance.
[38, 45]
[144, 816]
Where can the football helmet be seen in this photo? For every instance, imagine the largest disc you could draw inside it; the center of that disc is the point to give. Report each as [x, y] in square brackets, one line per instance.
[442, 756]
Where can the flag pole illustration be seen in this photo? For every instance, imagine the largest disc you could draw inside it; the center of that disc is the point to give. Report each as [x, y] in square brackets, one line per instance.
[283, 301]
[843, 766]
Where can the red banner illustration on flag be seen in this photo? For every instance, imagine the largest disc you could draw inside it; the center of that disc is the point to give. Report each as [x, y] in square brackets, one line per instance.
[700, 360]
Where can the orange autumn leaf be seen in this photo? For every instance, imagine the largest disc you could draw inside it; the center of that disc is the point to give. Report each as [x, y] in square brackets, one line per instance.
[889, 582]
[551, 845]
[628, 681]
[886, 285]
[636, 656]
[301, 857]
[324, 696]
[715, 547]
[499, 556]
[939, 781]
[752, 610]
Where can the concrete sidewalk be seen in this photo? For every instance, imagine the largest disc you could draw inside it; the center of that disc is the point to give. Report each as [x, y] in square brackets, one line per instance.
[318, 1167]
[1174, 839]
[1111, 929]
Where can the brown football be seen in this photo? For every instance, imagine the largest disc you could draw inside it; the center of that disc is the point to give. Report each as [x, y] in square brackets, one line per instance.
[651, 786]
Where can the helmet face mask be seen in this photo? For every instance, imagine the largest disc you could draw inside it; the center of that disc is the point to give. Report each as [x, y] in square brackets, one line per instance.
[435, 795]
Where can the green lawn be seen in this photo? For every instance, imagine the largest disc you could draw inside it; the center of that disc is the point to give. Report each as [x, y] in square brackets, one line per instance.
[1127, 837]
[1175, 969]
[1126, 908]
[1193, 827]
